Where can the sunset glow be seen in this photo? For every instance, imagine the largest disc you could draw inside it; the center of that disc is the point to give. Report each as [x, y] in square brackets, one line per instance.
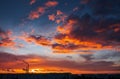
[57, 36]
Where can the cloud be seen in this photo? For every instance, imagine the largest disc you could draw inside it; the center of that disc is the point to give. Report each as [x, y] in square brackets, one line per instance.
[91, 66]
[35, 61]
[34, 15]
[32, 2]
[72, 36]
[58, 17]
[83, 33]
[51, 3]
[12, 59]
[39, 40]
[107, 55]
[41, 10]
[6, 57]
[87, 33]
[5, 34]
[52, 17]
[87, 57]
[37, 13]
[7, 42]
[59, 12]
[6, 39]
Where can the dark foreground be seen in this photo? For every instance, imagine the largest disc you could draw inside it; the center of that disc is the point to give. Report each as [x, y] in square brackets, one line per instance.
[59, 76]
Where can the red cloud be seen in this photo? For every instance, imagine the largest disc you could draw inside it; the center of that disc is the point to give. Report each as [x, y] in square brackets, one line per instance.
[41, 10]
[32, 2]
[51, 3]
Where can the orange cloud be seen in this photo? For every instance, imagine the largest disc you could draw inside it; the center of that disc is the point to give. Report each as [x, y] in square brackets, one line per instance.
[39, 40]
[46, 64]
[41, 10]
[58, 17]
[59, 12]
[5, 38]
[52, 17]
[5, 34]
[58, 21]
[51, 3]
[67, 44]
[34, 15]
[37, 13]
[7, 43]
[74, 35]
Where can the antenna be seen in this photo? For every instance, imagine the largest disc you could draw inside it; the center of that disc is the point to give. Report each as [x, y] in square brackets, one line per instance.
[27, 64]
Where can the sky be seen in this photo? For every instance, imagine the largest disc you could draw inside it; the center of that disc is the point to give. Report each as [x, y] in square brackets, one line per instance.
[75, 36]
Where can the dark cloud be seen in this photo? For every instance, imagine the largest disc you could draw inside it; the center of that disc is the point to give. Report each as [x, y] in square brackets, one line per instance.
[83, 32]
[97, 28]
[88, 27]
[68, 46]
[87, 57]
[89, 66]
[80, 29]
[6, 57]
[84, 1]
[10, 60]
[70, 57]
[94, 33]
[3, 34]
[107, 55]
[105, 7]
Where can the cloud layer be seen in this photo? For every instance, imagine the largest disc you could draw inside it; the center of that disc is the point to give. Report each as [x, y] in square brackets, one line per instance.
[35, 61]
